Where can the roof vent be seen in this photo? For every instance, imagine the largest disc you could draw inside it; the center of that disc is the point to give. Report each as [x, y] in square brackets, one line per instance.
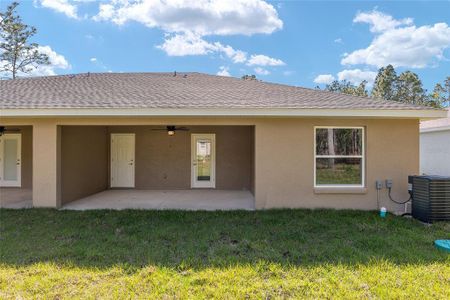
[249, 77]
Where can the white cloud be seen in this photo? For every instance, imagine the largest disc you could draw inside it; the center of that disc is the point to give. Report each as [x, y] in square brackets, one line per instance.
[186, 44]
[93, 59]
[261, 71]
[339, 41]
[105, 12]
[202, 17]
[193, 44]
[237, 56]
[61, 6]
[400, 43]
[379, 21]
[356, 76]
[263, 60]
[186, 23]
[224, 71]
[57, 61]
[324, 79]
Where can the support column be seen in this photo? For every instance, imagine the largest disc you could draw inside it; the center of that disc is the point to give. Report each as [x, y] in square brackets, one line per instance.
[46, 164]
[260, 175]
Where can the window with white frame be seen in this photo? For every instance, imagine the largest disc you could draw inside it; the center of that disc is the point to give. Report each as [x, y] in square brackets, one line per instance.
[339, 156]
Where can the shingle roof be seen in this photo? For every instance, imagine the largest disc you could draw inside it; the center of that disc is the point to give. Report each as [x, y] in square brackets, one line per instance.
[164, 90]
[439, 123]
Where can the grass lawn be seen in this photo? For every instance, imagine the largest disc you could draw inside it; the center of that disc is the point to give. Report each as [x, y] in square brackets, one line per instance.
[264, 254]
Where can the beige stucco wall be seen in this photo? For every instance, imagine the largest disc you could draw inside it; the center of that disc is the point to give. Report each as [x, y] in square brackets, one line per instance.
[46, 163]
[285, 163]
[27, 154]
[164, 162]
[283, 156]
[84, 161]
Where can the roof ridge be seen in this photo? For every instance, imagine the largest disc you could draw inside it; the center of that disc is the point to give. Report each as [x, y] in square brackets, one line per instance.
[84, 74]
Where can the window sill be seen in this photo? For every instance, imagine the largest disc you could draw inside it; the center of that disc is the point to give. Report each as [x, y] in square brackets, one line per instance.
[340, 190]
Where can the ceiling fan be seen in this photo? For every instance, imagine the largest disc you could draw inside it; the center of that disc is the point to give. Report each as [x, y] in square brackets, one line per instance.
[4, 130]
[171, 129]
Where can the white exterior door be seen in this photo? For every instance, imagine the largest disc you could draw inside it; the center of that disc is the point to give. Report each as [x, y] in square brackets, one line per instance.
[203, 169]
[10, 159]
[122, 160]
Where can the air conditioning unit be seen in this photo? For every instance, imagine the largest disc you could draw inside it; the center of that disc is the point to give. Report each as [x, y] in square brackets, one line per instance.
[430, 198]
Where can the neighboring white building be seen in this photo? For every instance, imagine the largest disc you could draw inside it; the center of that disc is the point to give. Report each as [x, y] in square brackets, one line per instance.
[435, 147]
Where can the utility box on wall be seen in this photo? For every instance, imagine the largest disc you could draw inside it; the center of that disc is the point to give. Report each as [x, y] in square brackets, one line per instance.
[430, 198]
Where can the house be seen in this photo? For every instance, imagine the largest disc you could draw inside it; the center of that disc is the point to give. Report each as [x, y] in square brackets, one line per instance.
[435, 146]
[119, 139]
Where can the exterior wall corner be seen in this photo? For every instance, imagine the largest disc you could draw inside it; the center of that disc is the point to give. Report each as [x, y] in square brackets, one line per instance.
[46, 164]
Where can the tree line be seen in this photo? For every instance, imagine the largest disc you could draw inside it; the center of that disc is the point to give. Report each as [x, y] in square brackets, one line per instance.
[406, 87]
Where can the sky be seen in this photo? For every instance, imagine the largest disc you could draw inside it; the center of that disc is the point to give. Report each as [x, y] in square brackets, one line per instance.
[301, 43]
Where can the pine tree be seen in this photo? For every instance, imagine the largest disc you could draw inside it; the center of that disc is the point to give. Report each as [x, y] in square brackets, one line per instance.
[17, 54]
[441, 93]
[361, 89]
[385, 83]
[345, 87]
[409, 89]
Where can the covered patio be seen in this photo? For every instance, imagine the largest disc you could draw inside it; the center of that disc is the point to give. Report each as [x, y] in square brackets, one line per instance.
[16, 166]
[148, 167]
[203, 167]
[166, 199]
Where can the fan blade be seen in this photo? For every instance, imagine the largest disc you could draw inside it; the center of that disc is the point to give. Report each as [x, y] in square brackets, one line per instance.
[171, 128]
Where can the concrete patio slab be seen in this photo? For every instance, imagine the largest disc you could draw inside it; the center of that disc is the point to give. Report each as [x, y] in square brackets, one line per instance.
[16, 198]
[166, 199]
